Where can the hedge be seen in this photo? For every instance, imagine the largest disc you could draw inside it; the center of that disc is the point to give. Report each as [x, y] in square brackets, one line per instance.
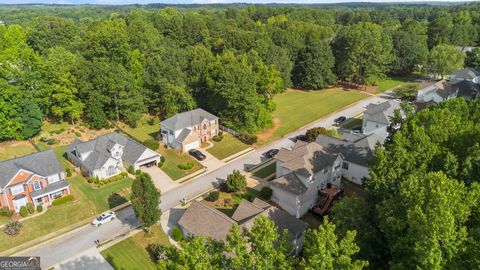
[213, 196]
[39, 208]
[23, 211]
[177, 234]
[152, 144]
[162, 160]
[30, 208]
[185, 166]
[4, 211]
[63, 200]
[68, 172]
[130, 169]
[248, 138]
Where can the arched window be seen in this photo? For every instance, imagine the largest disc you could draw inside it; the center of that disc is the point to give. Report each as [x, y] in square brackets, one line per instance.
[111, 170]
[204, 126]
[37, 185]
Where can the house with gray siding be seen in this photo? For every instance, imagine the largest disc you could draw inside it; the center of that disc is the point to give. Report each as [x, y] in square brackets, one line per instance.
[377, 117]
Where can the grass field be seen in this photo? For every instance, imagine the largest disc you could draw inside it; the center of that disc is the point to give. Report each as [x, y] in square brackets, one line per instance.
[173, 158]
[14, 149]
[131, 253]
[266, 171]
[227, 147]
[296, 108]
[144, 130]
[391, 82]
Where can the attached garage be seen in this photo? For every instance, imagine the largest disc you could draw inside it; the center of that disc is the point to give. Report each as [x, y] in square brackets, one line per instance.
[147, 158]
[189, 146]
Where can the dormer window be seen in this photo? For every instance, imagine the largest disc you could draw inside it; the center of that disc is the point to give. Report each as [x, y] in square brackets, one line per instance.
[37, 185]
[204, 126]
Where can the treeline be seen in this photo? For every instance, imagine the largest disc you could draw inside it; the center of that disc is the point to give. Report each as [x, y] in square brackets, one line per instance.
[83, 64]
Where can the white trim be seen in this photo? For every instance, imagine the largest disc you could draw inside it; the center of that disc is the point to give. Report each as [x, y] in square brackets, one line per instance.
[16, 176]
[47, 194]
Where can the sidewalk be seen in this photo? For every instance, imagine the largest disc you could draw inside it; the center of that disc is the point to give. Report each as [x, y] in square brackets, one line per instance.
[89, 259]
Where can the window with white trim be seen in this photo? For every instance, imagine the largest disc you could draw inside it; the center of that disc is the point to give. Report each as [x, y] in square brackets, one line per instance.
[37, 185]
[17, 189]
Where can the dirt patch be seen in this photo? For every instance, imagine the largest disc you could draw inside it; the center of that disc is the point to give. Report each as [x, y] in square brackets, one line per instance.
[264, 135]
[71, 133]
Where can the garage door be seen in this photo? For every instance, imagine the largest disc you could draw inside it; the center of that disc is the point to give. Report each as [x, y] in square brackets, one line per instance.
[191, 145]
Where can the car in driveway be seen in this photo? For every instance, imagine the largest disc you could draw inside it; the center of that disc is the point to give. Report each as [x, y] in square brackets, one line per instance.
[340, 120]
[197, 154]
[271, 153]
[301, 137]
[104, 218]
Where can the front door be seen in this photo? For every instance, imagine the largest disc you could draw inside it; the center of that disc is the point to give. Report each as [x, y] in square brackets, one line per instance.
[19, 203]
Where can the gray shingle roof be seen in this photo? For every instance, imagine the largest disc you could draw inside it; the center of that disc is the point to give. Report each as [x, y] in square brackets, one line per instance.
[51, 187]
[382, 112]
[42, 163]
[442, 88]
[183, 135]
[101, 145]
[187, 119]
[466, 73]
[290, 183]
[245, 211]
[468, 90]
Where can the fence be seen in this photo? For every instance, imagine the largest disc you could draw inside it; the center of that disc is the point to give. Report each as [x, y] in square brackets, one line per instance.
[229, 130]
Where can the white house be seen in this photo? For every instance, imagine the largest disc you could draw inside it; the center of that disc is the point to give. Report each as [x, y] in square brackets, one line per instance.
[466, 74]
[187, 130]
[105, 155]
[436, 92]
[377, 117]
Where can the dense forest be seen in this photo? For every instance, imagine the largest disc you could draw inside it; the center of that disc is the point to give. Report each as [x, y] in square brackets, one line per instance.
[99, 63]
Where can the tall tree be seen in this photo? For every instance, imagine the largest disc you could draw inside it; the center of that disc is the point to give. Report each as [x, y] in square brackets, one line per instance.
[410, 46]
[473, 58]
[443, 60]
[440, 30]
[32, 117]
[145, 200]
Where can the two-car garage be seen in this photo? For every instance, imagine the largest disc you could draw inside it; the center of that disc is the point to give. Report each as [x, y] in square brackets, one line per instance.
[147, 159]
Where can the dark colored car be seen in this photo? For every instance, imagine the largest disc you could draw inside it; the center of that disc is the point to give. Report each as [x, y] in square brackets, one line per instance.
[271, 153]
[340, 120]
[197, 154]
[301, 137]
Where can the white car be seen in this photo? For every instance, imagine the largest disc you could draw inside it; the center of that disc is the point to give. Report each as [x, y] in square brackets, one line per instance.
[104, 218]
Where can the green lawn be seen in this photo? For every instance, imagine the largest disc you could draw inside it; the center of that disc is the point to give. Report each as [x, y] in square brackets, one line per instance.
[297, 108]
[106, 197]
[265, 171]
[391, 82]
[227, 147]
[144, 130]
[131, 253]
[14, 149]
[173, 158]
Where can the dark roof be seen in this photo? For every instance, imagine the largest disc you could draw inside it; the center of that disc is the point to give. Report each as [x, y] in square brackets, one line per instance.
[466, 73]
[43, 163]
[468, 90]
[359, 151]
[246, 210]
[290, 183]
[51, 187]
[382, 112]
[187, 119]
[100, 149]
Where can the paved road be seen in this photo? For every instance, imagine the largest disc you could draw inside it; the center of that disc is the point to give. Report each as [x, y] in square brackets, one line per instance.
[82, 239]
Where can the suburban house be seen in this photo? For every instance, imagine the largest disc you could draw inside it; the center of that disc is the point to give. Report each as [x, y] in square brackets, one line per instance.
[105, 155]
[468, 89]
[301, 172]
[202, 220]
[37, 178]
[187, 130]
[307, 169]
[377, 117]
[466, 74]
[436, 92]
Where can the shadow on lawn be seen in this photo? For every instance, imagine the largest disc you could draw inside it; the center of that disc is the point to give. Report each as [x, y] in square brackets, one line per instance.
[115, 200]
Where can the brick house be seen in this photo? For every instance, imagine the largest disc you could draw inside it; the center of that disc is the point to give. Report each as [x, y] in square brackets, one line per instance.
[37, 178]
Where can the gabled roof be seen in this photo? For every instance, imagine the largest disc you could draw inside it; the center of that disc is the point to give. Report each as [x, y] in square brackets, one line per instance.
[183, 135]
[43, 163]
[100, 149]
[200, 219]
[306, 158]
[468, 89]
[442, 88]
[247, 210]
[466, 73]
[290, 183]
[187, 119]
[382, 112]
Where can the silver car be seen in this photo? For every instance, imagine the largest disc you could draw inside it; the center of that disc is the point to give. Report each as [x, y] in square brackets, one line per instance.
[104, 218]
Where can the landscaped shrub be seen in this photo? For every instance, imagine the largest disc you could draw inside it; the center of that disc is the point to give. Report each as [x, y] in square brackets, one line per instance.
[30, 208]
[151, 121]
[43, 139]
[97, 180]
[332, 133]
[63, 200]
[23, 211]
[236, 181]
[138, 172]
[52, 141]
[152, 144]
[58, 131]
[213, 196]
[247, 196]
[124, 174]
[69, 172]
[156, 250]
[266, 193]
[218, 138]
[185, 166]
[90, 179]
[4, 211]
[313, 133]
[248, 138]
[162, 160]
[177, 234]
[13, 228]
[130, 169]
[39, 208]
[78, 134]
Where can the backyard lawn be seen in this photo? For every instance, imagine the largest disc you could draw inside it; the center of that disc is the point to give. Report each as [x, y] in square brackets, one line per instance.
[227, 147]
[145, 130]
[131, 253]
[296, 108]
[173, 158]
[265, 171]
[14, 149]
[391, 82]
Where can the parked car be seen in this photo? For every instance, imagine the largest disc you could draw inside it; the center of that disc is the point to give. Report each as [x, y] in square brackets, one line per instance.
[197, 154]
[271, 153]
[357, 130]
[104, 218]
[301, 137]
[340, 120]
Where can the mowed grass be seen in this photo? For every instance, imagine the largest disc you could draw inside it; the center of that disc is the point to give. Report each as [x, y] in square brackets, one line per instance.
[9, 150]
[265, 171]
[131, 253]
[227, 147]
[145, 130]
[391, 82]
[174, 157]
[296, 108]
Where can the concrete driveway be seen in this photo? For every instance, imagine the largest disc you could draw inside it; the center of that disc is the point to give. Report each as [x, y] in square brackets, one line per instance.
[211, 162]
[161, 180]
[89, 259]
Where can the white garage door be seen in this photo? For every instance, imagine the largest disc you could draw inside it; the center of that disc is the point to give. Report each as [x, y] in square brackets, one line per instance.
[191, 145]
